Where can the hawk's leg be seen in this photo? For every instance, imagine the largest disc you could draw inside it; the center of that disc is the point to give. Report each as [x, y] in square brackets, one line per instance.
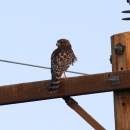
[64, 75]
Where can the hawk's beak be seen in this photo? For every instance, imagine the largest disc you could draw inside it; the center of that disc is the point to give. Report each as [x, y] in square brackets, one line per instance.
[57, 44]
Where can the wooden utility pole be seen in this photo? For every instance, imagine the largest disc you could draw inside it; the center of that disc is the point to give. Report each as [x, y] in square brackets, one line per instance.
[121, 61]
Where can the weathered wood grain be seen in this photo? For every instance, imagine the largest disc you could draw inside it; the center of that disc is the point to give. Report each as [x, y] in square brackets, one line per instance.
[33, 91]
[122, 97]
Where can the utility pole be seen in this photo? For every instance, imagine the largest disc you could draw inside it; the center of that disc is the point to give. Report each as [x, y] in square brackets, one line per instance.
[120, 46]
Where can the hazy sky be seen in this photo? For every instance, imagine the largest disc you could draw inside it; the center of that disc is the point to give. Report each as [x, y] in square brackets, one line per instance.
[29, 30]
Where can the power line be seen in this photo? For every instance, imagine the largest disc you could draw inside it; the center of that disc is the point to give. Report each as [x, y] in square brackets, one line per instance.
[37, 66]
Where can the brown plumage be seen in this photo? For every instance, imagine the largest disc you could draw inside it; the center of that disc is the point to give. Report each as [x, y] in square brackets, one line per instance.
[61, 59]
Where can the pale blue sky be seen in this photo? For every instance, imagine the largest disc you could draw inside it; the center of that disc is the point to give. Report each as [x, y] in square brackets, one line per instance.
[29, 30]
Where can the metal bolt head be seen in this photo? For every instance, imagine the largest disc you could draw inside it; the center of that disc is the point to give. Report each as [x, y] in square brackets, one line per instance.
[110, 59]
[119, 49]
[114, 80]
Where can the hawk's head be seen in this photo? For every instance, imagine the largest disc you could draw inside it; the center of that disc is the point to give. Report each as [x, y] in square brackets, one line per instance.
[63, 43]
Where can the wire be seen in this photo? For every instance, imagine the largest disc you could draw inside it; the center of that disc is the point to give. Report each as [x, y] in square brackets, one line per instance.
[38, 66]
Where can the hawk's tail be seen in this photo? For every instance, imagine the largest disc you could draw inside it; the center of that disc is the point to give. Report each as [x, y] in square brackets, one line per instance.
[53, 88]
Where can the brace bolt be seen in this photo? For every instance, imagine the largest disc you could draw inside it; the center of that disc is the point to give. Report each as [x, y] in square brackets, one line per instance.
[119, 49]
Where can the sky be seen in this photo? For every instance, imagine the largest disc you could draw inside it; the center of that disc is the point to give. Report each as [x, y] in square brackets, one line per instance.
[29, 30]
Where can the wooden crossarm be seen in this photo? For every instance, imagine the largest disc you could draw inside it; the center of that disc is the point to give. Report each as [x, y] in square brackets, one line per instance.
[73, 86]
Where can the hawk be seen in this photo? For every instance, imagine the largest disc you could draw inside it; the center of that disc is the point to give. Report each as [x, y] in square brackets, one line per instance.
[61, 59]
